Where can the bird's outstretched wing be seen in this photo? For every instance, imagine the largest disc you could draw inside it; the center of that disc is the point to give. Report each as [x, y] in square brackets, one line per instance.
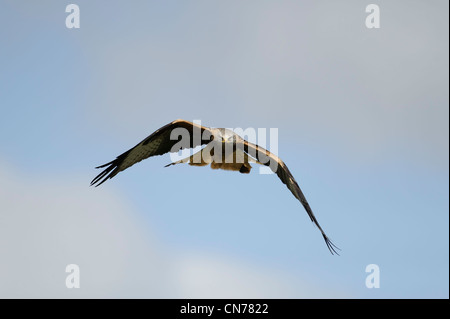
[158, 143]
[278, 166]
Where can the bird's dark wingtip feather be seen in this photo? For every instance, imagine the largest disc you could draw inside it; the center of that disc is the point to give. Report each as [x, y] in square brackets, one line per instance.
[111, 170]
[106, 174]
[104, 165]
[331, 246]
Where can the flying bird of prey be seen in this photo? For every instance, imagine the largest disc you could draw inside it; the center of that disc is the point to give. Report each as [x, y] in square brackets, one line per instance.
[224, 150]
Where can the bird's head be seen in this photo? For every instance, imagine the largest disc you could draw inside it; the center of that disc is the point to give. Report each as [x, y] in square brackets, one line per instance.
[227, 136]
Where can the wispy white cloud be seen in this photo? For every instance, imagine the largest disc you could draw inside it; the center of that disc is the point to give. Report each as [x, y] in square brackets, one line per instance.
[48, 223]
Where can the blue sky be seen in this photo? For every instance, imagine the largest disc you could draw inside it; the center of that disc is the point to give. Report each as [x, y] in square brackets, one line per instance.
[362, 118]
